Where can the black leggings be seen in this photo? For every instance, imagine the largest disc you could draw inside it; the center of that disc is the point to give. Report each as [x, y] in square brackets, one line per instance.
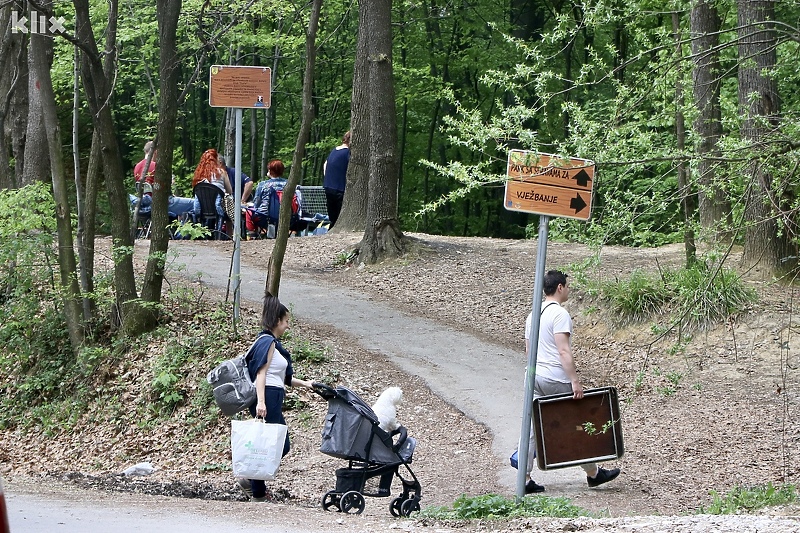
[334, 200]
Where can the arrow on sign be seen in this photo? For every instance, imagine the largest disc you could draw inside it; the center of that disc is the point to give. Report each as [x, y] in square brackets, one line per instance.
[582, 178]
[577, 203]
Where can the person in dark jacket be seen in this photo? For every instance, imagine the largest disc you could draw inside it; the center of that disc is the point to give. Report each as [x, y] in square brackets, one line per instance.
[335, 171]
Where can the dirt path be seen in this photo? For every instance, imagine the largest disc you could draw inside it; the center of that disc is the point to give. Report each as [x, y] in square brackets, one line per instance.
[452, 363]
[699, 415]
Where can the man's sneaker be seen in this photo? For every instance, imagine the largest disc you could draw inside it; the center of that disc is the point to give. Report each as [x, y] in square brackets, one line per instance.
[531, 487]
[244, 484]
[261, 499]
[603, 476]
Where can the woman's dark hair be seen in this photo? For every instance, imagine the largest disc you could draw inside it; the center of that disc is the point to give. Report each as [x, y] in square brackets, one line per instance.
[273, 312]
[552, 280]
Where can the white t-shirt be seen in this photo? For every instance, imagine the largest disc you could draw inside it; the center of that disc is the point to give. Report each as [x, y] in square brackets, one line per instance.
[554, 319]
[276, 372]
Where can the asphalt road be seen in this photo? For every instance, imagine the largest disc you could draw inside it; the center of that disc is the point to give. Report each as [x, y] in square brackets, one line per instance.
[54, 508]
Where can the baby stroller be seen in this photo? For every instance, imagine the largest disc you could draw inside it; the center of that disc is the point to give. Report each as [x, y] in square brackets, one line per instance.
[352, 432]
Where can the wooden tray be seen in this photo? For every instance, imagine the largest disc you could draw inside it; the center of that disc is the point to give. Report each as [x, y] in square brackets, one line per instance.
[571, 432]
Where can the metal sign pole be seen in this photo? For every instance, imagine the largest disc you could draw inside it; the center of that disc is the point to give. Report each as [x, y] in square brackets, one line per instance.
[237, 223]
[533, 349]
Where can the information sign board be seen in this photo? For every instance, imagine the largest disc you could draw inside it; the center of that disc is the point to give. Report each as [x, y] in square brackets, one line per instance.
[239, 86]
[548, 185]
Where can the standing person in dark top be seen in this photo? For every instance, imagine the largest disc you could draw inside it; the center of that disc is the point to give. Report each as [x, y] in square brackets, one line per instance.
[335, 170]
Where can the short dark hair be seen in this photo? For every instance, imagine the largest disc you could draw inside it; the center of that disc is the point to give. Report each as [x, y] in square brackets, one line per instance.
[272, 313]
[552, 280]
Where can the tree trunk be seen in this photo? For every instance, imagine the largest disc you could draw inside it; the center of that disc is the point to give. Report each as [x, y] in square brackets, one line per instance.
[18, 107]
[8, 51]
[40, 54]
[684, 191]
[269, 115]
[169, 69]
[382, 236]
[714, 205]
[282, 237]
[759, 104]
[37, 166]
[86, 242]
[85, 246]
[97, 87]
[354, 207]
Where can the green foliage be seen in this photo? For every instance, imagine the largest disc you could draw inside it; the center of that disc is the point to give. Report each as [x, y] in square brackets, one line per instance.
[191, 230]
[344, 258]
[215, 467]
[90, 357]
[750, 499]
[303, 351]
[496, 506]
[707, 295]
[590, 429]
[637, 298]
[694, 297]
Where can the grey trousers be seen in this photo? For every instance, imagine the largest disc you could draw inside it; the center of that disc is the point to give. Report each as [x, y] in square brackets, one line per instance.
[546, 387]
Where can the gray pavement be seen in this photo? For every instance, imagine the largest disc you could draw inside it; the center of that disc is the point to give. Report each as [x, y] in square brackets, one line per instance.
[484, 380]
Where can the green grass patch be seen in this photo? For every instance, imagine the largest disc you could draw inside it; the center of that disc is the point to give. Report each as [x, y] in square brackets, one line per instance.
[749, 499]
[496, 506]
[692, 298]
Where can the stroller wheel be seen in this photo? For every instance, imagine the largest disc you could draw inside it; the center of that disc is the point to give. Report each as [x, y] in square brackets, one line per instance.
[409, 506]
[331, 499]
[396, 505]
[352, 501]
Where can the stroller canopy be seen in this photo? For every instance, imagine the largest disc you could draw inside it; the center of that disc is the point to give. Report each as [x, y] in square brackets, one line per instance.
[351, 428]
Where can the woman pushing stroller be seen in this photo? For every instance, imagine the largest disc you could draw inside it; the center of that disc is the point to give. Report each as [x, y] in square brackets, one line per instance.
[271, 370]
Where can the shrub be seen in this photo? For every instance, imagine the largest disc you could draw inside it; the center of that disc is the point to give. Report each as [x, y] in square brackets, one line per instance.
[692, 298]
[742, 499]
[496, 506]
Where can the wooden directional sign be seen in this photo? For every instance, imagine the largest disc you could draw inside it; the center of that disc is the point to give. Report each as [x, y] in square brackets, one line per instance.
[238, 86]
[548, 185]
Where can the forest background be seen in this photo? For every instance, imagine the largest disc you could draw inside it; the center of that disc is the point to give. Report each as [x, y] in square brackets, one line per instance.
[688, 109]
[656, 92]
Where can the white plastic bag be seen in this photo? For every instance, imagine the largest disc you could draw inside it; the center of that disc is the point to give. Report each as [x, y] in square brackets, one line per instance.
[139, 469]
[256, 448]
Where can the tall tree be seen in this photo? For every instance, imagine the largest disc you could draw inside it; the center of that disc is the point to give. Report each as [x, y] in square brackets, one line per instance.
[169, 69]
[354, 205]
[35, 168]
[382, 235]
[13, 97]
[8, 78]
[97, 86]
[714, 205]
[765, 248]
[282, 237]
[687, 198]
[40, 55]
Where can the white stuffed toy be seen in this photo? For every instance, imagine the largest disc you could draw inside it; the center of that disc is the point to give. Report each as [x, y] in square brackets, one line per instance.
[386, 408]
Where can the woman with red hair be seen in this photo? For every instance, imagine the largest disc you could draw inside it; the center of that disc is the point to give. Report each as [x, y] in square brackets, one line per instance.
[210, 171]
[258, 215]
